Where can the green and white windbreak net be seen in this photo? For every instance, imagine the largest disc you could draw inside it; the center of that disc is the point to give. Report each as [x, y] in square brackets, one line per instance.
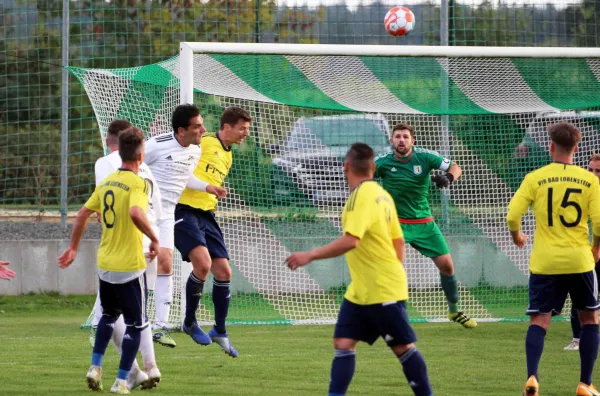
[485, 108]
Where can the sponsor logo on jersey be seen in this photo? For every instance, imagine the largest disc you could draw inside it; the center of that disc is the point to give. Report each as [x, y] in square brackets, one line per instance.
[417, 169]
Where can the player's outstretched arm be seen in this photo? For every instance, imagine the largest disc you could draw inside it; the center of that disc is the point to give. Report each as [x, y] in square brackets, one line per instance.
[200, 185]
[68, 256]
[6, 273]
[138, 216]
[443, 180]
[342, 245]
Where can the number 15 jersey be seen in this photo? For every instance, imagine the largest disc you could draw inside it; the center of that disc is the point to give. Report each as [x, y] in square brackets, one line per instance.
[563, 197]
[121, 244]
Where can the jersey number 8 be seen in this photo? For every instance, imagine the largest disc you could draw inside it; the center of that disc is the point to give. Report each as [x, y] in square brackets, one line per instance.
[109, 207]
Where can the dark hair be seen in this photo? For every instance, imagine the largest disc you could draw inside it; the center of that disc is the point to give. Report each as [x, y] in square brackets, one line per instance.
[360, 157]
[114, 128]
[399, 127]
[232, 115]
[595, 157]
[131, 142]
[182, 116]
[564, 135]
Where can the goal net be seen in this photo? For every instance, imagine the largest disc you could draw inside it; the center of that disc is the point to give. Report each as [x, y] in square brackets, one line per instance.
[485, 108]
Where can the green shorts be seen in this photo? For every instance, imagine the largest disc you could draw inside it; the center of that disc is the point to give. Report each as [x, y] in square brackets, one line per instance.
[426, 238]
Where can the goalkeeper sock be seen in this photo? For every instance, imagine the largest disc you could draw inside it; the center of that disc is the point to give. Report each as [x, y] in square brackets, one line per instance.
[575, 324]
[220, 296]
[534, 346]
[342, 371]
[588, 351]
[450, 289]
[97, 311]
[193, 293]
[131, 344]
[415, 371]
[163, 296]
[103, 335]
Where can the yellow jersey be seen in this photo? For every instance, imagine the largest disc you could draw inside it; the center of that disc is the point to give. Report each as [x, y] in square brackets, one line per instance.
[377, 274]
[563, 197]
[213, 168]
[121, 244]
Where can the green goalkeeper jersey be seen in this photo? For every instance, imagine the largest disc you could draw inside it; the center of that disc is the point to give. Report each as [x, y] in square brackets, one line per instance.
[408, 181]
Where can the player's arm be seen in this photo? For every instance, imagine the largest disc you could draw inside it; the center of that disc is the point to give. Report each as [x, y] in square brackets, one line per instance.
[453, 171]
[594, 211]
[91, 206]
[397, 236]
[200, 185]
[340, 246]
[150, 151]
[6, 273]
[138, 203]
[518, 206]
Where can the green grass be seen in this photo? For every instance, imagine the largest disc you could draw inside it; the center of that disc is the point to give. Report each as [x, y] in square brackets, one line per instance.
[43, 351]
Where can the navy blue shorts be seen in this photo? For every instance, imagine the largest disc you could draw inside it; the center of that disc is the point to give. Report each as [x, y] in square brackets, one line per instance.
[548, 293]
[195, 227]
[127, 299]
[369, 322]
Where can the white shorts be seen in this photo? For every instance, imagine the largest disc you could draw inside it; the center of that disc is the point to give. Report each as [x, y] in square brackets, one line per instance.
[152, 266]
[166, 226]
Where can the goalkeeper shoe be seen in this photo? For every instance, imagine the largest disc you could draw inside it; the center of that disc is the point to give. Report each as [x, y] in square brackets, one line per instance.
[154, 378]
[162, 336]
[120, 387]
[94, 378]
[463, 319]
[223, 341]
[136, 378]
[573, 346]
[586, 390]
[531, 387]
[93, 335]
[197, 334]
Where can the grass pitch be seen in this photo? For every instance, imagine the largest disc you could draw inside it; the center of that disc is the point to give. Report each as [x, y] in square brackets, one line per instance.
[43, 351]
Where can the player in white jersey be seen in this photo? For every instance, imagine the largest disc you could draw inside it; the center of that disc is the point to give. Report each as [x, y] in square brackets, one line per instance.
[105, 166]
[172, 157]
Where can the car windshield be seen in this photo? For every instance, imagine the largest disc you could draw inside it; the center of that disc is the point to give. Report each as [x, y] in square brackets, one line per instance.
[337, 132]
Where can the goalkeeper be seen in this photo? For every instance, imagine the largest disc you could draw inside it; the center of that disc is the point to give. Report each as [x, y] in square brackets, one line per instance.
[405, 175]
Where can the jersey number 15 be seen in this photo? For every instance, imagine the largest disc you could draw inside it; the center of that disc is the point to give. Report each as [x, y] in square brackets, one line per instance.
[565, 204]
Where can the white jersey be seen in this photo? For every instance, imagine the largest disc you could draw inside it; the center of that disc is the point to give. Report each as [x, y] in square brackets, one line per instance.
[110, 163]
[172, 165]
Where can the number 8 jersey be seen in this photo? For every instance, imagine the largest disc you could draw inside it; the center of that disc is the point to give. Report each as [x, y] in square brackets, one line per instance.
[563, 197]
[121, 244]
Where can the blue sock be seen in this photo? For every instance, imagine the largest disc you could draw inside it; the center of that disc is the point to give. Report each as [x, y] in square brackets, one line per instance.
[450, 289]
[104, 332]
[342, 371]
[575, 323]
[415, 370]
[534, 346]
[220, 296]
[131, 344]
[193, 293]
[588, 351]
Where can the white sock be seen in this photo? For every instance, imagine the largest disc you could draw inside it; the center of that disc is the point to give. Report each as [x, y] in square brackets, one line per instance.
[147, 348]
[163, 297]
[97, 311]
[117, 338]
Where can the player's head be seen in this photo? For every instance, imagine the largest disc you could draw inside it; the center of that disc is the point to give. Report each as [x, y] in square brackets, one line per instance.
[594, 166]
[131, 145]
[403, 138]
[235, 124]
[114, 128]
[188, 124]
[564, 138]
[360, 161]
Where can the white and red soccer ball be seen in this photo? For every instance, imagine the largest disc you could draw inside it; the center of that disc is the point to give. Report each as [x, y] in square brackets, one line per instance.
[399, 21]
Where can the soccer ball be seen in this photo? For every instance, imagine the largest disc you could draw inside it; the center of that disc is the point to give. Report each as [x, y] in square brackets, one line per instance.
[399, 21]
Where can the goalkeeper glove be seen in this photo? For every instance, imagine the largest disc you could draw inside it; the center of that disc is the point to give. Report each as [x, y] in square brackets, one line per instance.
[443, 180]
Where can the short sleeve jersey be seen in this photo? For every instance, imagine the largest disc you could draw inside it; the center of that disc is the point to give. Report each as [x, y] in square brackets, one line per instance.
[408, 180]
[121, 244]
[376, 272]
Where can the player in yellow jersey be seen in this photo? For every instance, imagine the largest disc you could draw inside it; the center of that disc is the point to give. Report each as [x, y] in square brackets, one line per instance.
[375, 303]
[198, 237]
[121, 199]
[562, 262]
[594, 167]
